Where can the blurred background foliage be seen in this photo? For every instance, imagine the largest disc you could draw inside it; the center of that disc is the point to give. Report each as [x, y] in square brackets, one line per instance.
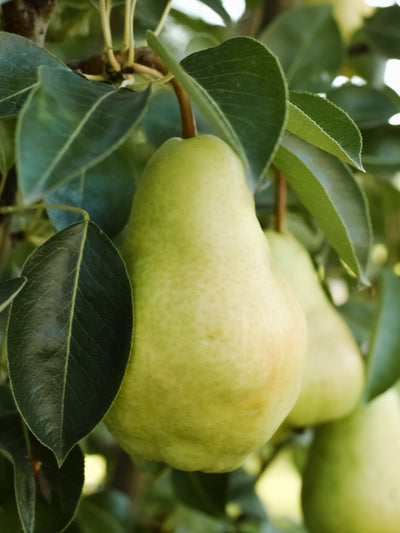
[350, 57]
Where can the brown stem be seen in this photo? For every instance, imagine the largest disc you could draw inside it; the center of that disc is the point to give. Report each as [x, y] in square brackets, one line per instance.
[280, 202]
[185, 106]
[29, 18]
[146, 56]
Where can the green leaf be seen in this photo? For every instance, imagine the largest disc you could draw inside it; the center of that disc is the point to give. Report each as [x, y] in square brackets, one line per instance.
[216, 6]
[68, 125]
[9, 290]
[7, 152]
[19, 62]
[93, 518]
[69, 335]
[382, 31]
[105, 191]
[108, 508]
[46, 496]
[242, 492]
[323, 124]
[309, 45]
[381, 149]
[239, 87]
[383, 361]
[204, 492]
[326, 187]
[367, 106]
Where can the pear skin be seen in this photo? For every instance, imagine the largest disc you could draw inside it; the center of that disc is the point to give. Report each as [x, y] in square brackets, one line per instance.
[334, 372]
[351, 482]
[219, 340]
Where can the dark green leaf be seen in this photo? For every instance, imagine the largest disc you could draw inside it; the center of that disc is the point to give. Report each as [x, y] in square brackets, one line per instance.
[19, 61]
[381, 150]
[325, 125]
[7, 152]
[239, 87]
[94, 518]
[383, 366]
[69, 335]
[326, 187]
[368, 107]
[242, 492]
[9, 517]
[9, 290]
[105, 191]
[382, 30]
[46, 495]
[309, 46]
[68, 125]
[204, 492]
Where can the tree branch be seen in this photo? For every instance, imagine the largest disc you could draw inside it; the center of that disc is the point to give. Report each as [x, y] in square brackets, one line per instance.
[29, 18]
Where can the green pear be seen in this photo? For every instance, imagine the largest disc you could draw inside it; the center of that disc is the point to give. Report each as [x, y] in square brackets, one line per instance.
[351, 482]
[334, 372]
[219, 340]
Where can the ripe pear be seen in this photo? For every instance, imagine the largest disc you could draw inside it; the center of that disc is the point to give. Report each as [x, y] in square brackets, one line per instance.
[334, 372]
[351, 482]
[219, 340]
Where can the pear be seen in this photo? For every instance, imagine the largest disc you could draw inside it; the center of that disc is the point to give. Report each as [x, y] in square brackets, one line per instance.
[351, 482]
[219, 340]
[334, 372]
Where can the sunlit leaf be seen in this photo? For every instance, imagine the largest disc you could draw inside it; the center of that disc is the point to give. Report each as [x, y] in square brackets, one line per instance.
[326, 187]
[239, 87]
[324, 125]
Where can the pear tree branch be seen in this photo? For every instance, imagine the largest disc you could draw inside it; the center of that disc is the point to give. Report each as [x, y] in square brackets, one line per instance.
[29, 18]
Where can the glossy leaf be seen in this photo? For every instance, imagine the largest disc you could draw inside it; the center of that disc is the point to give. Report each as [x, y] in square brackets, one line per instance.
[381, 149]
[383, 366]
[46, 496]
[204, 492]
[105, 191]
[19, 62]
[9, 290]
[382, 30]
[239, 87]
[293, 35]
[69, 335]
[326, 126]
[367, 106]
[68, 125]
[326, 187]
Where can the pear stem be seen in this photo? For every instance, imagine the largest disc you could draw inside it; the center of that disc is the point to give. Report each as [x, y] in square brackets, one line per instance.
[280, 202]
[146, 56]
[185, 106]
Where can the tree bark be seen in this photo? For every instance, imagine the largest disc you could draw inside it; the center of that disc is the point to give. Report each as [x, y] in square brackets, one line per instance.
[29, 18]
